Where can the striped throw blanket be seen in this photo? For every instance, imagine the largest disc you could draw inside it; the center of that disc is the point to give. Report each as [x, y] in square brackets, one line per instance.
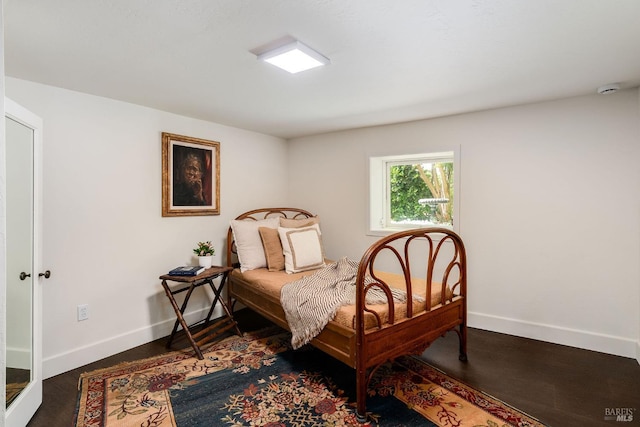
[311, 302]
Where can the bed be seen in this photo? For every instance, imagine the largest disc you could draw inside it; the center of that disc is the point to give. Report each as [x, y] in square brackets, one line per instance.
[419, 262]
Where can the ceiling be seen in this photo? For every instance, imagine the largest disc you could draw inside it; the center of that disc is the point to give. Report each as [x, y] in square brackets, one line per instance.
[391, 60]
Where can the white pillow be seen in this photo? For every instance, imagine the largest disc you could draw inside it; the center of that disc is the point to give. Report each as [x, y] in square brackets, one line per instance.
[249, 243]
[302, 248]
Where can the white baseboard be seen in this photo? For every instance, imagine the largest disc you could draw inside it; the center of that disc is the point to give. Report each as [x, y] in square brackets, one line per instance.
[619, 346]
[63, 362]
[610, 344]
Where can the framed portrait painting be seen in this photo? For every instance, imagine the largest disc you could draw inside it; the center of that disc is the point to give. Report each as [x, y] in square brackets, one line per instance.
[190, 176]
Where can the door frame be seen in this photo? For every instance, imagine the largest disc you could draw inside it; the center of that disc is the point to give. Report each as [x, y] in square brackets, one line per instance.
[26, 404]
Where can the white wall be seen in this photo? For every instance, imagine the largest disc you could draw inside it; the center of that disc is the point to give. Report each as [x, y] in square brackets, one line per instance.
[3, 214]
[638, 197]
[549, 211]
[105, 240]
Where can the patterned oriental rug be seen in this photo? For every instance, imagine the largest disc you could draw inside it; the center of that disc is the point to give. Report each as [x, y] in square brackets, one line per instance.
[257, 380]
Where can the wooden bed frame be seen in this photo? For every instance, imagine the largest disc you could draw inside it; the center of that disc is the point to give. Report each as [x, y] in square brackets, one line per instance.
[366, 349]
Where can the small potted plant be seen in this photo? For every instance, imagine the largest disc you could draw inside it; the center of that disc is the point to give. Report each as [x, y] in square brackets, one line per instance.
[205, 251]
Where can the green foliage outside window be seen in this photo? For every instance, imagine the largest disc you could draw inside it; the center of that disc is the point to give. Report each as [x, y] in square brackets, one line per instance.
[414, 182]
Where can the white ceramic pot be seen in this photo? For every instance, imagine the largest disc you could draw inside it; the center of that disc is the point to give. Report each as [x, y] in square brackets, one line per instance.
[205, 261]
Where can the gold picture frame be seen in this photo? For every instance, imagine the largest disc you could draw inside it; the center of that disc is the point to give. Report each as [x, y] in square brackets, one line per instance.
[190, 176]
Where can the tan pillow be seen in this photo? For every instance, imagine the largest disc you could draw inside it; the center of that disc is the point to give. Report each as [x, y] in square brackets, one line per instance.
[297, 223]
[272, 248]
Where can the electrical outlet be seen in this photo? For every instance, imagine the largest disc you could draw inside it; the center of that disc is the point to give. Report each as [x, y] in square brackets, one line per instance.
[83, 312]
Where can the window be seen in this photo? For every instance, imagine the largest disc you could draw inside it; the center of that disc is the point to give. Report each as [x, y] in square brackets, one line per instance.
[411, 191]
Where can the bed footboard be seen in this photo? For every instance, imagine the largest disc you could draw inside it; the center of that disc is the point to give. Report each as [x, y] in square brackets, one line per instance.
[426, 258]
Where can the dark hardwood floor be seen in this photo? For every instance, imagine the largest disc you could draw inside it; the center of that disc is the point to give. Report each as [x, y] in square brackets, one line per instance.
[561, 386]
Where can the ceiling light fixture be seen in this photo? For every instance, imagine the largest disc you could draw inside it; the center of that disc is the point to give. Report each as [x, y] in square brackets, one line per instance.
[294, 57]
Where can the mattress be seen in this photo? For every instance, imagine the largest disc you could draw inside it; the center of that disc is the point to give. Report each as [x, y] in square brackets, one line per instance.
[271, 282]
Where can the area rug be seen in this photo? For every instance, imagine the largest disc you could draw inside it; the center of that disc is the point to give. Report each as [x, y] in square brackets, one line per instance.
[257, 380]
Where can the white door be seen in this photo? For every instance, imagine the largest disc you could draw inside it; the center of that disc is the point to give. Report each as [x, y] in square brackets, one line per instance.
[24, 276]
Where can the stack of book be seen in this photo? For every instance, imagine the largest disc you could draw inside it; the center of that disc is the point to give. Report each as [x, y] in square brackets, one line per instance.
[188, 270]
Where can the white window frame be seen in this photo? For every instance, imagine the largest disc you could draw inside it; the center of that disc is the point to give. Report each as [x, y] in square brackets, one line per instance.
[379, 188]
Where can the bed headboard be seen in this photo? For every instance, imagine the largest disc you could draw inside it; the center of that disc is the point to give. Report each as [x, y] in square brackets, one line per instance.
[257, 214]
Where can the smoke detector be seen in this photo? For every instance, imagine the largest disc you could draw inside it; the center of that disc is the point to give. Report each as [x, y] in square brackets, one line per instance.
[607, 89]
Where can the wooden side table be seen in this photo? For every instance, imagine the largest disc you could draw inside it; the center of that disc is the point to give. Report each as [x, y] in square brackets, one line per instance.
[192, 282]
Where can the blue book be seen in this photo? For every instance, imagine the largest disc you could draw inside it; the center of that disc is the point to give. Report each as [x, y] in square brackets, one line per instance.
[187, 270]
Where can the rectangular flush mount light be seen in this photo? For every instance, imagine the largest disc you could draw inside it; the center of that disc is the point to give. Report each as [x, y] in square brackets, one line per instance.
[294, 57]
